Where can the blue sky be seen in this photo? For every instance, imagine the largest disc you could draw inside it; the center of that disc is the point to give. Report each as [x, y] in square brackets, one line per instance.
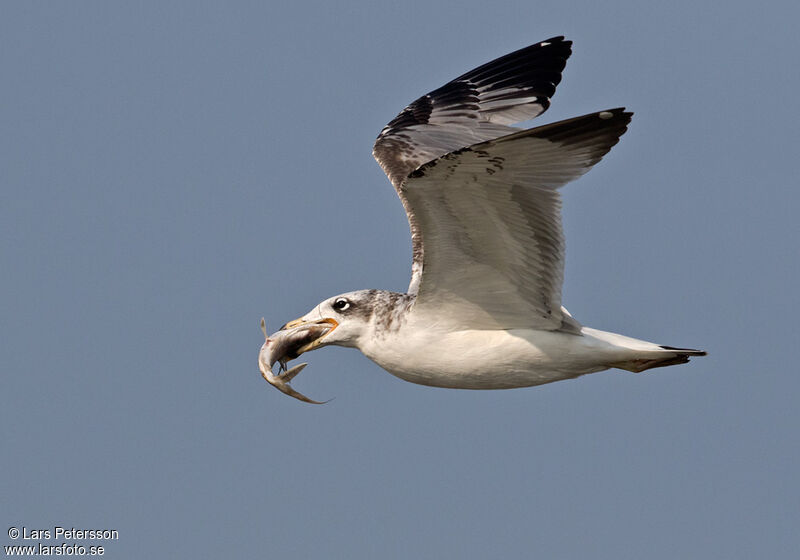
[171, 172]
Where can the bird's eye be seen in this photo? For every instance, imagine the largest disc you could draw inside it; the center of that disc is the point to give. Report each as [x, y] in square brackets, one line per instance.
[341, 304]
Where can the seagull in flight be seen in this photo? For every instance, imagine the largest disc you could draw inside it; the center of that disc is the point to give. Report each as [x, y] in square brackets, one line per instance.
[483, 308]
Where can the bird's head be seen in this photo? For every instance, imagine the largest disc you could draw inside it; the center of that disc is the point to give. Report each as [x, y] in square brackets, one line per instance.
[349, 316]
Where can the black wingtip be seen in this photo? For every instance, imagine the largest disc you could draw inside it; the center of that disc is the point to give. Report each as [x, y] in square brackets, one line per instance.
[616, 112]
[558, 39]
[536, 66]
[611, 122]
[686, 351]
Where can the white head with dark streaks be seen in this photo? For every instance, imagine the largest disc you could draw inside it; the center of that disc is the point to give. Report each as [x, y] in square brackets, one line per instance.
[356, 316]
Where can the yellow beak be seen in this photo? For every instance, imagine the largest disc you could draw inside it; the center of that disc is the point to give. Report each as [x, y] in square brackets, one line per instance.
[316, 342]
[292, 324]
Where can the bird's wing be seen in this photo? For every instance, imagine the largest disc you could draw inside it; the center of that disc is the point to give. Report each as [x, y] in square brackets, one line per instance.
[475, 107]
[490, 224]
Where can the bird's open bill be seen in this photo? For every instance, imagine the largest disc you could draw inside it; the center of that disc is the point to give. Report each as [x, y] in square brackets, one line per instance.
[293, 339]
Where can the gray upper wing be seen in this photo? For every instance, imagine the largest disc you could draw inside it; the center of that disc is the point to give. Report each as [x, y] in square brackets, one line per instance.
[476, 106]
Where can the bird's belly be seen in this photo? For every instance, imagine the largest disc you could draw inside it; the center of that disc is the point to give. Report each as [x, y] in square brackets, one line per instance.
[488, 359]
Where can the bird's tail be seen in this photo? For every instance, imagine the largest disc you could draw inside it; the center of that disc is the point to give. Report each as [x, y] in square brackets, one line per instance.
[671, 356]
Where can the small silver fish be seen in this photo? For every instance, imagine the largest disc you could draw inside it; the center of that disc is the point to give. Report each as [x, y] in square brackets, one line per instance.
[285, 345]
